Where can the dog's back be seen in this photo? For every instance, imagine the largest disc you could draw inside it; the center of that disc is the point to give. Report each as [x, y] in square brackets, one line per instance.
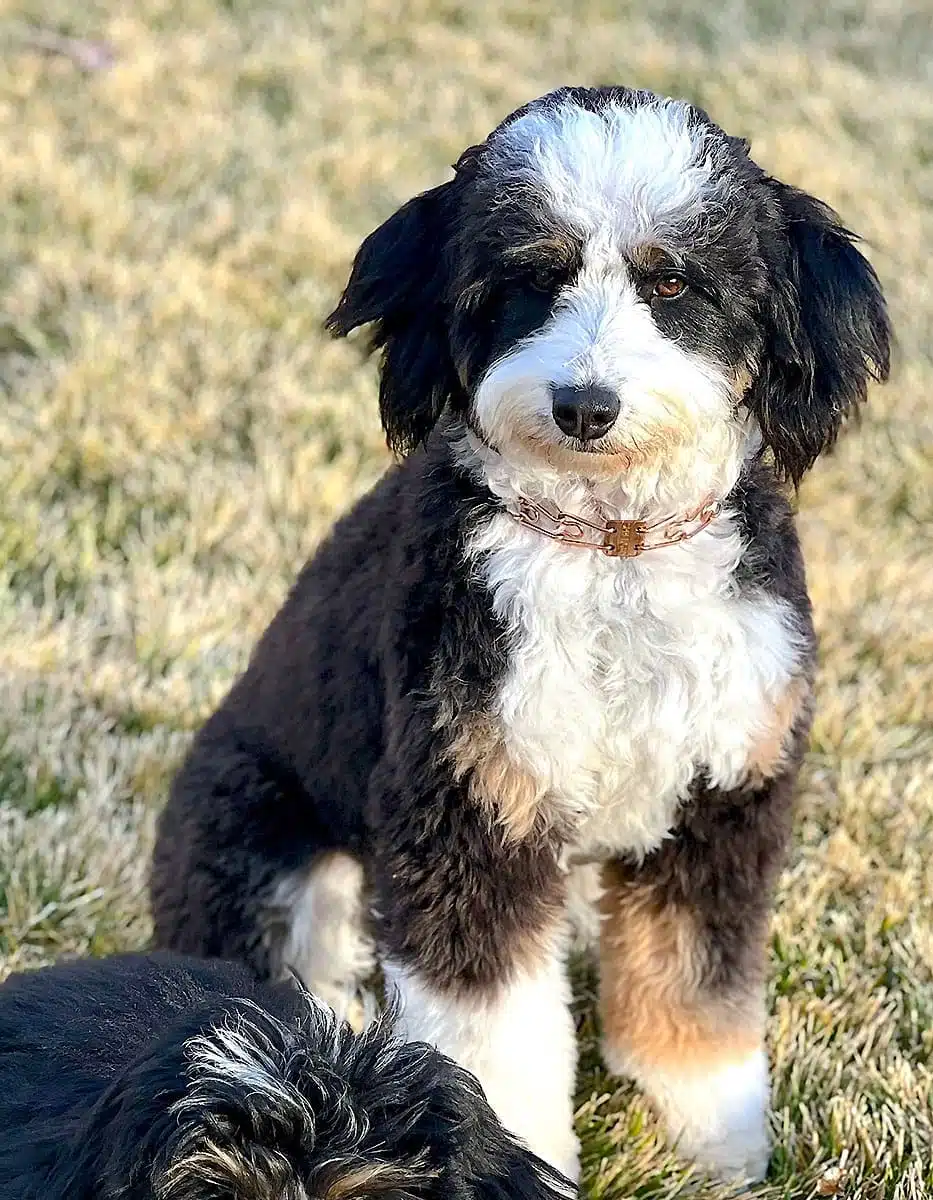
[155, 1076]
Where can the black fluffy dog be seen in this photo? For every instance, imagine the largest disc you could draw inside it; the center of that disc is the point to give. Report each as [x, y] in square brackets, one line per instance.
[155, 1076]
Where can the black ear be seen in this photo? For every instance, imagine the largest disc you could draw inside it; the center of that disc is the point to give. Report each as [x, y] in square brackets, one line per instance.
[397, 284]
[828, 335]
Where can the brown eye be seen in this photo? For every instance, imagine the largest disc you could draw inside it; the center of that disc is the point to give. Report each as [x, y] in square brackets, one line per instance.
[669, 287]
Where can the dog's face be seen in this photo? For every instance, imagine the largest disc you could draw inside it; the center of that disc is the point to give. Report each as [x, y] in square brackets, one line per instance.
[608, 283]
[614, 283]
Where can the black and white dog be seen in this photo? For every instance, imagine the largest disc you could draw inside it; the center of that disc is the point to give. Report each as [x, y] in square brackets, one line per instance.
[570, 630]
[164, 1078]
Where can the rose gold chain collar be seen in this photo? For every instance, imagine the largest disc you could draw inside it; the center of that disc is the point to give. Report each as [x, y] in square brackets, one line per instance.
[617, 539]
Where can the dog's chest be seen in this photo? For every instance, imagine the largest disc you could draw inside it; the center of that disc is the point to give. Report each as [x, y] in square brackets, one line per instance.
[627, 678]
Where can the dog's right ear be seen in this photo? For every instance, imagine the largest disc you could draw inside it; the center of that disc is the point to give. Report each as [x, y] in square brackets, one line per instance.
[397, 285]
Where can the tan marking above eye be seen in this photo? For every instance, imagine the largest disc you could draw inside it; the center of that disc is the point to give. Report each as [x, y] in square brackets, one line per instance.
[651, 258]
[557, 250]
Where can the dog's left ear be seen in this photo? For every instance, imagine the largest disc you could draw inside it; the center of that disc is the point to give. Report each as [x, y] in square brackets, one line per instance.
[397, 285]
[828, 334]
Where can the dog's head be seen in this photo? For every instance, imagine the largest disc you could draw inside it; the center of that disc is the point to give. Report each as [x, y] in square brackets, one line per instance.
[312, 1111]
[252, 1107]
[610, 283]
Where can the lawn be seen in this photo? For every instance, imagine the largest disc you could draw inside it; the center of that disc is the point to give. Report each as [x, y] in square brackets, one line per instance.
[176, 433]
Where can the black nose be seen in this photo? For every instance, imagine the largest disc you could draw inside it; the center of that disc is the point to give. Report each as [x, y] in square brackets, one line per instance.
[584, 412]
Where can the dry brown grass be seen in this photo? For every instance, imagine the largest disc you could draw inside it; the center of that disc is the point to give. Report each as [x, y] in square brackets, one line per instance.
[176, 433]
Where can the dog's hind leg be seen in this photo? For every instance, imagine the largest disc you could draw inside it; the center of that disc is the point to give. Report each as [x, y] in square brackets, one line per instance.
[245, 868]
[326, 940]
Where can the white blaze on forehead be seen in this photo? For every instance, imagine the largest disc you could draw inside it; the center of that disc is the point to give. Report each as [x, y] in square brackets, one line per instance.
[637, 173]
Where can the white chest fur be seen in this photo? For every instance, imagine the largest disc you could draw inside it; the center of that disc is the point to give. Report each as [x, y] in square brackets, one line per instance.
[627, 676]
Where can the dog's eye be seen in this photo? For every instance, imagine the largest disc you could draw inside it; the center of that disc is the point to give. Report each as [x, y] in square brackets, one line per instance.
[669, 287]
[544, 279]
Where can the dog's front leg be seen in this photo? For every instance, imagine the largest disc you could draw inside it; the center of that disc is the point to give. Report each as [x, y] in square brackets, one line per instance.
[683, 949]
[473, 940]
[516, 1038]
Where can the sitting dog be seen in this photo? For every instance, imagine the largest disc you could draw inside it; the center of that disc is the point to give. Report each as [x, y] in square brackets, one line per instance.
[164, 1078]
[570, 628]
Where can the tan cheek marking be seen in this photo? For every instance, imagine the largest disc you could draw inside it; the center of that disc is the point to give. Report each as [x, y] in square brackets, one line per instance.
[222, 1167]
[741, 380]
[677, 435]
[373, 1178]
[510, 794]
[770, 752]
[652, 973]
[601, 467]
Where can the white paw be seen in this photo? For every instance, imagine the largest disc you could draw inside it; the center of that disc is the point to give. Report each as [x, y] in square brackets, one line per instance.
[357, 1006]
[739, 1157]
[719, 1116]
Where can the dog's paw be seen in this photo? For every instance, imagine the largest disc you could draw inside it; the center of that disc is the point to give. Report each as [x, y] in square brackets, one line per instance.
[741, 1156]
[720, 1118]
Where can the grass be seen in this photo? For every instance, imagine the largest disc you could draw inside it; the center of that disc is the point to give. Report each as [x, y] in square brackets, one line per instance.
[176, 433]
